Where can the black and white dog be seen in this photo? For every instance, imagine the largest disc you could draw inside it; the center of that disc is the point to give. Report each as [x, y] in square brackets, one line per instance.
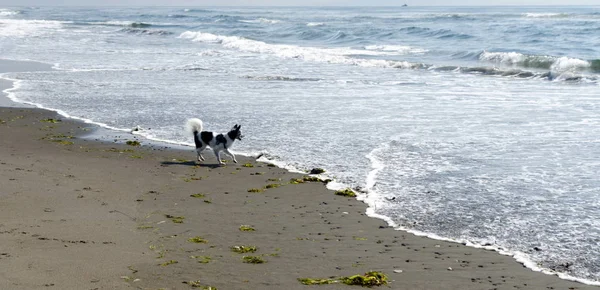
[218, 143]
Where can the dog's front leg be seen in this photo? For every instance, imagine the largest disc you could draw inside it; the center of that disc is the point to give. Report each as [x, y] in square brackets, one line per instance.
[231, 154]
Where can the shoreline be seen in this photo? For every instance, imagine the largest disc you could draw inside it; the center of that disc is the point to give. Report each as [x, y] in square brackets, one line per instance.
[430, 254]
[8, 66]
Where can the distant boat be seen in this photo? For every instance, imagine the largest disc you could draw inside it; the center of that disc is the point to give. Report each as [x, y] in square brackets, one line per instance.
[404, 5]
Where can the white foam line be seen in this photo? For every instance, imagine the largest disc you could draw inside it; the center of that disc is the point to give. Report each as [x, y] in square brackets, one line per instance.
[376, 165]
[520, 257]
[17, 85]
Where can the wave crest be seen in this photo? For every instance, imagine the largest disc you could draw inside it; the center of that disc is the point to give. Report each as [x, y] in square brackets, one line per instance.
[7, 12]
[316, 54]
[546, 15]
[552, 63]
[28, 28]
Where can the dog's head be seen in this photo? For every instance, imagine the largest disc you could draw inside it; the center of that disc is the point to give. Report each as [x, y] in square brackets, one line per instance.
[235, 132]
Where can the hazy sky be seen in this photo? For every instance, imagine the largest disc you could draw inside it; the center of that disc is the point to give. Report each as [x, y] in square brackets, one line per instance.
[292, 2]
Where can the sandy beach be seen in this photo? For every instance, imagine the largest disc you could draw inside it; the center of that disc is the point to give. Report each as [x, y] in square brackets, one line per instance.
[77, 213]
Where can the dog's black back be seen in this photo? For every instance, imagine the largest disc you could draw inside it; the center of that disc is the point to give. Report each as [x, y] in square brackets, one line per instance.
[206, 137]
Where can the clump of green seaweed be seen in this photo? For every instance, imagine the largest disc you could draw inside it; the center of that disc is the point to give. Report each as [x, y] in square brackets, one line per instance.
[253, 260]
[296, 181]
[311, 281]
[246, 228]
[272, 185]
[197, 240]
[317, 171]
[133, 143]
[248, 165]
[346, 192]
[243, 249]
[197, 195]
[315, 179]
[202, 259]
[256, 190]
[170, 262]
[369, 279]
[175, 219]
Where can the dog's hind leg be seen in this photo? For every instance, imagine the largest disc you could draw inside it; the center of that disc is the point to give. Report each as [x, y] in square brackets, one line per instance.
[231, 154]
[199, 152]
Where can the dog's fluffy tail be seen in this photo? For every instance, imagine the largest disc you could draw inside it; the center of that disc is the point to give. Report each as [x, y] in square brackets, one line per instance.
[193, 126]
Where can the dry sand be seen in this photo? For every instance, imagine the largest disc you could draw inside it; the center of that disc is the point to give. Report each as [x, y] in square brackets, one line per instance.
[76, 213]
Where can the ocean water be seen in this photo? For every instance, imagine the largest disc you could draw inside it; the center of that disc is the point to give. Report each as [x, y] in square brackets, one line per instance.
[472, 124]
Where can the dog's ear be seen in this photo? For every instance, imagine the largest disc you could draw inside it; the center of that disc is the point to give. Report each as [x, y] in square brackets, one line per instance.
[239, 126]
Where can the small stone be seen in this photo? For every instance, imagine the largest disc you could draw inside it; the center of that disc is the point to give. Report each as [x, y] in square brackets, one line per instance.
[449, 268]
[398, 271]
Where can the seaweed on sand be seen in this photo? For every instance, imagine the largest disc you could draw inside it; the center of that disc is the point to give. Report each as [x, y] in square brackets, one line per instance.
[253, 260]
[369, 279]
[346, 192]
[197, 240]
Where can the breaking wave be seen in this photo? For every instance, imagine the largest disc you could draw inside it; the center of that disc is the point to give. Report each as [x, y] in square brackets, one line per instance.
[7, 12]
[552, 63]
[546, 15]
[559, 68]
[328, 55]
[28, 28]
